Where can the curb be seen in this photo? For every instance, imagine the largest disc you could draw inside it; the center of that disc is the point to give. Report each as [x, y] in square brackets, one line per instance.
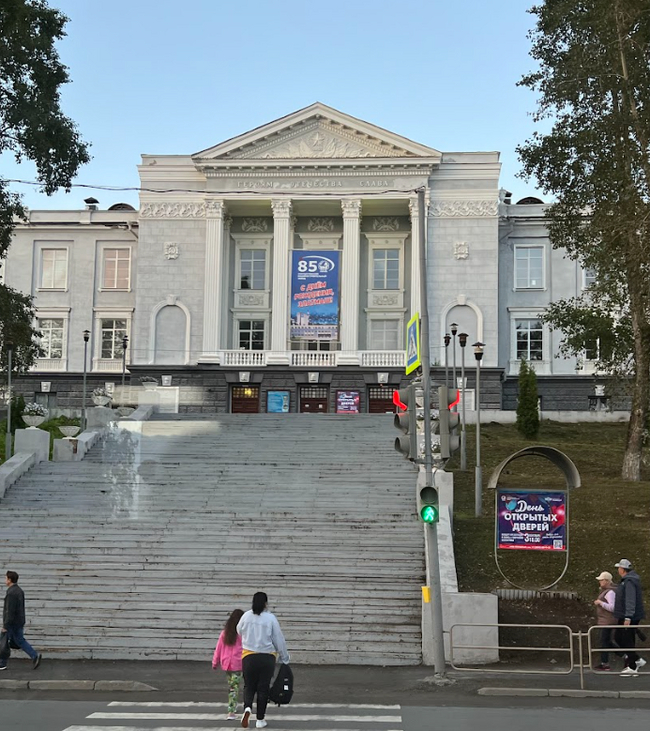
[564, 693]
[99, 685]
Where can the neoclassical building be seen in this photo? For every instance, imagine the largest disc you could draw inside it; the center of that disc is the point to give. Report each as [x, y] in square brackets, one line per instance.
[277, 271]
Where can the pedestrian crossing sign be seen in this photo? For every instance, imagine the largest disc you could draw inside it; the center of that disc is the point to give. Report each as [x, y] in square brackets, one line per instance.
[413, 343]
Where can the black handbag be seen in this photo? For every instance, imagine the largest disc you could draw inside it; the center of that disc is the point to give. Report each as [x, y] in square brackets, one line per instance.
[5, 647]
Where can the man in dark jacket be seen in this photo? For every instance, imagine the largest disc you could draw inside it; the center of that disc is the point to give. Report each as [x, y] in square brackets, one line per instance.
[628, 610]
[13, 620]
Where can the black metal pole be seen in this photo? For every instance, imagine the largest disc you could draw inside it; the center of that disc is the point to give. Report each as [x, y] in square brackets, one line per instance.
[83, 401]
[8, 445]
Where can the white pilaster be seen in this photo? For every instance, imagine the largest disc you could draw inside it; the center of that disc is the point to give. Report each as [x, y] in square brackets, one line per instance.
[215, 211]
[415, 212]
[350, 282]
[282, 233]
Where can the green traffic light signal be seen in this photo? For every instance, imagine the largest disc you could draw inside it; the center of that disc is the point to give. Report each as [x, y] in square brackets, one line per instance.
[429, 514]
[428, 509]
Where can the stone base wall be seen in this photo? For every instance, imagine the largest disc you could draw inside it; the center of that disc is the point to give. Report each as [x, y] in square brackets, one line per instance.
[207, 389]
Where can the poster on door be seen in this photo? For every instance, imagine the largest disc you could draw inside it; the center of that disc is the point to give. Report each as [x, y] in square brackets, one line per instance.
[314, 295]
[531, 520]
[348, 402]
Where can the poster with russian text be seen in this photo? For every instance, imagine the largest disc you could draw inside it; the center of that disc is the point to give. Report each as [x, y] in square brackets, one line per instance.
[314, 295]
[531, 520]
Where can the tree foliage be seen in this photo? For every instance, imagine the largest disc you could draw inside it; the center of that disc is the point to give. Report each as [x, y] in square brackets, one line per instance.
[528, 402]
[593, 83]
[17, 317]
[32, 127]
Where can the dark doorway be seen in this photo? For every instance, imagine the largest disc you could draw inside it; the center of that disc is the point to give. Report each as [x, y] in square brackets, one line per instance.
[380, 400]
[245, 400]
[313, 400]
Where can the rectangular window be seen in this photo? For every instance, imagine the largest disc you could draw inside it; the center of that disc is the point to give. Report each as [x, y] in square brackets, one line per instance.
[530, 335]
[51, 337]
[589, 278]
[251, 334]
[529, 267]
[252, 263]
[113, 332]
[385, 268]
[117, 269]
[54, 268]
[384, 335]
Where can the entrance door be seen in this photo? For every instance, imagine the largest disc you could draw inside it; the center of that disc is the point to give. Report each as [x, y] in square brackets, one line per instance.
[245, 400]
[313, 400]
[380, 400]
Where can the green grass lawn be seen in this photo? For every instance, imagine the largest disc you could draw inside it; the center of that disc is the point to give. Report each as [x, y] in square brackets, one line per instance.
[609, 518]
[51, 426]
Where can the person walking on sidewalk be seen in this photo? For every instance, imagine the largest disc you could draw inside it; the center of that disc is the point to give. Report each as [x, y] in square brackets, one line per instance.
[628, 610]
[227, 654]
[262, 639]
[13, 620]
[604, 616]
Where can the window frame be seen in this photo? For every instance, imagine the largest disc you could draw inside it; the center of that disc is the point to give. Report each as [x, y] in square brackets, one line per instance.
[39, 319]
[41, 271]
[251, 318]
[385, 317]
[117, 247]
[114, 318]
[386, 249]
[529, 287]
[255, 243]
[543, 366]
[585, 284]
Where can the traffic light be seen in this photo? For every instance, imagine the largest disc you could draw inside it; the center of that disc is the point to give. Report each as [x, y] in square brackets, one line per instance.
[449, 420]
[428, 508]
[407, 422]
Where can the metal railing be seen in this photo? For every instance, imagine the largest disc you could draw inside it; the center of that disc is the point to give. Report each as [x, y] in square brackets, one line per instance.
[568, 649]
[576, 644]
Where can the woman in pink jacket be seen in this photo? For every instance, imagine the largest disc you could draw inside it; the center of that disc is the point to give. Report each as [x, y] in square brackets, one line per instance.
[227, 654]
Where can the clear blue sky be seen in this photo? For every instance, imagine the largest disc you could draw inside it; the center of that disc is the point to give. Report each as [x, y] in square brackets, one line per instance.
[156, 76]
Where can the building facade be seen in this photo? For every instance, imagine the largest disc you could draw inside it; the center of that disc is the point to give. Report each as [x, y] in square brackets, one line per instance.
[210, 279]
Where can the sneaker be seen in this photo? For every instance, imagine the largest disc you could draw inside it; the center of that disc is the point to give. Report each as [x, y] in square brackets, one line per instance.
[232, 717]
[37, 660]
[640, 663]
[245, 717]
[261, 724]
[603, 667]
[3, 667]
[629, 672]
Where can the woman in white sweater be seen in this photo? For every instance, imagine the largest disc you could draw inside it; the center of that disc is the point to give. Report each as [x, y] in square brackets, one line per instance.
[262, 640]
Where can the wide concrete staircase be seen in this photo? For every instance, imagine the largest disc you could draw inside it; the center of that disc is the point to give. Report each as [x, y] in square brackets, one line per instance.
[143, 549]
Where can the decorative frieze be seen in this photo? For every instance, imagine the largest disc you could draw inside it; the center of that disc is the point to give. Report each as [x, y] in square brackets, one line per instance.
[171, 250]
[463, 208]
[254, 225]
[385, 223]
[173, 209]
[320, 225]
[386, 300]
[252, 299]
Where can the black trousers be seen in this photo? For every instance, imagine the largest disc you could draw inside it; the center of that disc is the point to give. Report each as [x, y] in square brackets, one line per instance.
[625, 639]
[258, 673]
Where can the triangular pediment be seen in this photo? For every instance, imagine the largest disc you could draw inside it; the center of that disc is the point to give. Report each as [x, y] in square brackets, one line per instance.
[317, 132]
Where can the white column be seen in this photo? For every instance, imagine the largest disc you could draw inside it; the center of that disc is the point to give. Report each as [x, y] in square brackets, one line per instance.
[350, 282]
[282, 233]
[215, 211]
[415, 212]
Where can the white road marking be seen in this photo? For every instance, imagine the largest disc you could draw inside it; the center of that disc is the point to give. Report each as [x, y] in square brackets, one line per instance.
[219, 717]
[198, 704]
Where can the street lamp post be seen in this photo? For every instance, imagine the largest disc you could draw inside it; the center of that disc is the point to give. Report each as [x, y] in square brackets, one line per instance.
[10, 350]
[454, 330]
[462, 340]
[125, 343]
[83, 402]
[447, 341]
[478, 477]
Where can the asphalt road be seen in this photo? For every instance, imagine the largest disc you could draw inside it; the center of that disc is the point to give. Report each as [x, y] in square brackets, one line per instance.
[56, 715]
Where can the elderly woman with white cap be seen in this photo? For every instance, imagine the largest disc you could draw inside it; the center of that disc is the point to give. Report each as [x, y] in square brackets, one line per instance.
[605, 616]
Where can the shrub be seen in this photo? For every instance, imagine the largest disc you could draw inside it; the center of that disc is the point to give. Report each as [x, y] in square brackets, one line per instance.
[527, 405]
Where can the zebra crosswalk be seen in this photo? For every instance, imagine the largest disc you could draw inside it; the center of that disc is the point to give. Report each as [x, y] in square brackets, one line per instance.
[199, 716]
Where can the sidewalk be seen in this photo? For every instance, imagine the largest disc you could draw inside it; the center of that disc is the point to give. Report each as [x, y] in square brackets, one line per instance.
[315, 683]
